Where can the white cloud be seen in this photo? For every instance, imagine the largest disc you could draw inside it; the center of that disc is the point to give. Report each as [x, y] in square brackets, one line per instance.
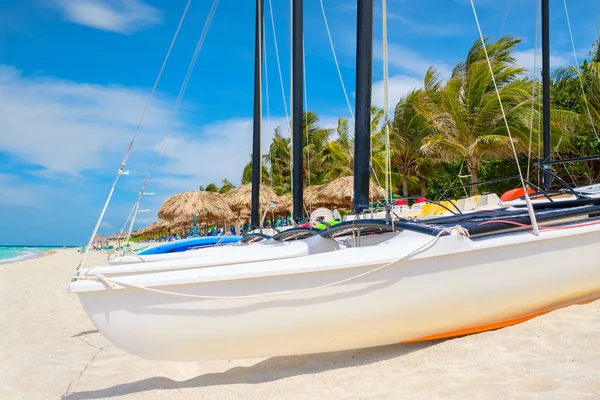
[526, 59]
[398, 86]
[106, 225]
[67, 127]
[123, 16]
[409, 61]
[219, 150]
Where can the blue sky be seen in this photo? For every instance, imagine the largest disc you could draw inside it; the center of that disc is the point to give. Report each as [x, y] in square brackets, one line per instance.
[75, 75]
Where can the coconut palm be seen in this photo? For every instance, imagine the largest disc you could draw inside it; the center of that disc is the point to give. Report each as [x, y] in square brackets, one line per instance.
[463, 118]
[406, 137]
[315, 142]
[279, 163]
[339, 153]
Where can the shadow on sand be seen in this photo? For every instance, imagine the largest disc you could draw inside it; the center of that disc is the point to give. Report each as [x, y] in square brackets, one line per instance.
[271, 369]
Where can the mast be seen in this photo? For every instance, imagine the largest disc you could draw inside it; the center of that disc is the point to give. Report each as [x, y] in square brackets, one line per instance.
[362, 127]
[256, 159]
[546, 86]
[297, 139]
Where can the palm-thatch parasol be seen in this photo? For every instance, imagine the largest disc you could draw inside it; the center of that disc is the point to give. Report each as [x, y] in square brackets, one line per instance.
[284, 204]
[312, 196]
[340, 192]
[156, 227]
[240, 198]
[209, 206]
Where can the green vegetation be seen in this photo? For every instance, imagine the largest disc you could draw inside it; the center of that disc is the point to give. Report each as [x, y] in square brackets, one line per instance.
[452, 131]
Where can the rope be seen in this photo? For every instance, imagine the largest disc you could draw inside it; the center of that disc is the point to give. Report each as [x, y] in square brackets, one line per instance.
[535, 52]
[386, 111]
[127, 220]
[132, 142]
[287, 115]
[337, 65]
[111, 283]
[505, 16]
[306, 114]
[544, 228]
[265, 62]
[512, 144]
[579, 73]
[178, 100]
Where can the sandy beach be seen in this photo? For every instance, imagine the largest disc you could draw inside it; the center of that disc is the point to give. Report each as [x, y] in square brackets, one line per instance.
[50, 350]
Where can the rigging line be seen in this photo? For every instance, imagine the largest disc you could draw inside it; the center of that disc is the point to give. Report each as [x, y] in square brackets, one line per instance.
[337, 65]
[265, 58]
[182, 90]
[386, 111]
[287, 115]
[306, 114]
[512, 143]
[132, 142]
[127, 220]
[535, 52]
[291, 93]
[505, 16]
[579, 72]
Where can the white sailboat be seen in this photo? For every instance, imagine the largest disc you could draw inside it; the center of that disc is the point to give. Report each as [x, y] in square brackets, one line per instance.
[374, 283]
[413, 286]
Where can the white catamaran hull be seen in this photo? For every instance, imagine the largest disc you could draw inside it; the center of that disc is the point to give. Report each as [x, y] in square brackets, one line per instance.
[450, 287]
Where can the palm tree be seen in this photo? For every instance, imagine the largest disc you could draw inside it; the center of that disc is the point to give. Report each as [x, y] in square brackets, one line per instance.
[339, 153]
[211, 187]
[226, 187]
[279, 163]
[463, 118]
[406, 137]
[315, 143]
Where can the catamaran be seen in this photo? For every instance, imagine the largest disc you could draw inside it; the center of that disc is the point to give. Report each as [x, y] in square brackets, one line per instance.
[377, 282]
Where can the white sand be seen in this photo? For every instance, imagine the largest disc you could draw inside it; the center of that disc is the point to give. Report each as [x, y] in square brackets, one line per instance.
[49, 349]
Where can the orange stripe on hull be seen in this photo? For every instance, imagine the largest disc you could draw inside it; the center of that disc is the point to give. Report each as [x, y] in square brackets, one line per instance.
[492, 326]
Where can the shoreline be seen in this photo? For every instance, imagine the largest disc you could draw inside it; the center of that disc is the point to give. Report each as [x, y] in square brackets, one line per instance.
[27, 256]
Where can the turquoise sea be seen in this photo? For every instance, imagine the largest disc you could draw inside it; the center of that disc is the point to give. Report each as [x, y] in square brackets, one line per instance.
[18, 253]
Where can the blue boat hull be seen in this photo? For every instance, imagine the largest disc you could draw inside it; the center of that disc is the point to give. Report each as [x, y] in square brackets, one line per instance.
[188, 244]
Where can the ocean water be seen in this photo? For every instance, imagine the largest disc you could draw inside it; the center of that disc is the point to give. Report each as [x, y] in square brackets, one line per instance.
[18, 253]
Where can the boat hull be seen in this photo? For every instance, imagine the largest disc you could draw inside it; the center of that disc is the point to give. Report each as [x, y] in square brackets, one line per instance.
[409, 299]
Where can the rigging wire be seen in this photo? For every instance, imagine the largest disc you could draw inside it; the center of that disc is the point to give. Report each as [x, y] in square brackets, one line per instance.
[505, 16]
[512, 143]
[535, 85]
[306, 114]
[178, 100]
[337, 65]
[386, 111]
[287, 115]
[265, 62]
[579, 72]
[121, 170]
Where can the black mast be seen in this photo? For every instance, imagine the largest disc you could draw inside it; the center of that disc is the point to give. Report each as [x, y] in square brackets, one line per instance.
[362, 127]
[546, 86]
[297, 142]
[256, 159]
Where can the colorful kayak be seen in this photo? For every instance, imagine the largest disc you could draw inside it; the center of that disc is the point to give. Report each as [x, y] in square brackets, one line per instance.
[189, 244]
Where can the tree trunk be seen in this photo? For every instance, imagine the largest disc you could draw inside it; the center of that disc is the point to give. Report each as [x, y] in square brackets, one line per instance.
[404, 185]
[423, 183]
[473, 165]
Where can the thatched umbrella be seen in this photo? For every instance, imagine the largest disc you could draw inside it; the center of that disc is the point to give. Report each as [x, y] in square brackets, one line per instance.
[312, 196]
[206, 205]
[340, 192]
[284, 204]
[240, 198]
[156, 227]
